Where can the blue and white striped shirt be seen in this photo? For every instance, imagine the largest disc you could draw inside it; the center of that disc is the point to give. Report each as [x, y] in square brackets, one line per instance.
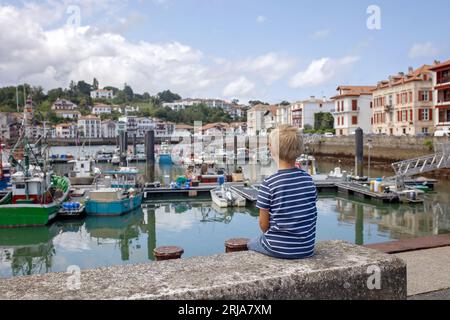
[290, 196]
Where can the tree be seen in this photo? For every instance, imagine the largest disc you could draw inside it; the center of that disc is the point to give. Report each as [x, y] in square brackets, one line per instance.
[128, 91]
[84, 88]
[113, 89]
[168, 96]
[256, 102]
[235, 101]
[146, 96]
[285, 103]
[55, 94]
[95, 84]
[323, 121]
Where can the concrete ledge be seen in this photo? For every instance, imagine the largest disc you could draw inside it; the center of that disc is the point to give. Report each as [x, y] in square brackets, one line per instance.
[338, 271]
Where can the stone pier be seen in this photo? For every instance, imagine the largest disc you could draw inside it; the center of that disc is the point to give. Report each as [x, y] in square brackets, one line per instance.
[338, 271]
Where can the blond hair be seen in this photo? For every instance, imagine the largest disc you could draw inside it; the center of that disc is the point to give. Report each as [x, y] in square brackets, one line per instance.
[286, 143]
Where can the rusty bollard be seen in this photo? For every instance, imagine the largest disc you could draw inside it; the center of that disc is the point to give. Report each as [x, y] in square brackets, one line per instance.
[168, 253]
[236, 245]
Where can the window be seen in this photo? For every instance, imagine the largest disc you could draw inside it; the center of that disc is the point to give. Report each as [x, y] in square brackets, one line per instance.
[425, 130]
[20, 186]
[354, 105]
[354, 120]
[390, 100]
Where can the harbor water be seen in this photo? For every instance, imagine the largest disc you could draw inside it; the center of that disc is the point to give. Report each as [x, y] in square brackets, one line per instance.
[201, 228]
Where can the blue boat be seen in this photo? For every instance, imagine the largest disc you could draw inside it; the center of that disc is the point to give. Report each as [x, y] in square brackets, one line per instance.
[165, 157]
[112, 202]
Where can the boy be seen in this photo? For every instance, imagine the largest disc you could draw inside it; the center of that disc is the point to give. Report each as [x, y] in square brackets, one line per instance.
[287, 202]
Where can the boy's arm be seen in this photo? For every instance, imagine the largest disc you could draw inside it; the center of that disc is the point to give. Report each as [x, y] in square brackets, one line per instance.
[264, 220]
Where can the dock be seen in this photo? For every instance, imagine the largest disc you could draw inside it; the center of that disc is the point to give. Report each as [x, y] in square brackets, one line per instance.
[250, 192]
[358, 190]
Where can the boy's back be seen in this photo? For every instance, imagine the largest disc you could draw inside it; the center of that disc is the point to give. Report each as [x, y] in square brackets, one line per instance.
[290, 196]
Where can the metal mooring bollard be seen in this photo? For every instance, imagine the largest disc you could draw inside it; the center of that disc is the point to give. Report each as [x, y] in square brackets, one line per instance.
[168, 253]
[236, 245]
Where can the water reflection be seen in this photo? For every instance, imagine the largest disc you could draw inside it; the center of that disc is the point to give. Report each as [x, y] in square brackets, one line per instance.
[201, 229]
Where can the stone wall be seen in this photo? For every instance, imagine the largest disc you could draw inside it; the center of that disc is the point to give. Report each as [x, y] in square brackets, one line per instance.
[338, 271]
[385, 148]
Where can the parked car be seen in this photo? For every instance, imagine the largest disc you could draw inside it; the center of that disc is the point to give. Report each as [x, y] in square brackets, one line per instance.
[442, 133]
[328, 135]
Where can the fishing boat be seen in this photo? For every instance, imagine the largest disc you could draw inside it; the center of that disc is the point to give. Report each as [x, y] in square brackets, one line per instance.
[165, 156]
[36, 193]
[83, 172]
[123, 178]
[224, 197]
[5, 172]
[34, 200]
[112, 202]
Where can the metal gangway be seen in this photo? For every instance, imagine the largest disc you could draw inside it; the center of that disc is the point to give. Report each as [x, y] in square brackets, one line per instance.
[421, 165]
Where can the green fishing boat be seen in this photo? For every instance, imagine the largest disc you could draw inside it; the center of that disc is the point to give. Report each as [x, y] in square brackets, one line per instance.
[36, 194]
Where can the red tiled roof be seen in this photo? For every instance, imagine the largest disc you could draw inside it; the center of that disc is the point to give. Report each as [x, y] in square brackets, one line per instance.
[440, 66]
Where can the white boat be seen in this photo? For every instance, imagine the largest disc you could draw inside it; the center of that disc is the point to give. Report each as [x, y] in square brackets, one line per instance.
[83, 173]
[411, 196]
[308, 164]
[224, 197]
[104, 156]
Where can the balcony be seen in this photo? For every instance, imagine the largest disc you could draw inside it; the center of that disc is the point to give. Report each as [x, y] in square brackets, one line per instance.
[443, 80]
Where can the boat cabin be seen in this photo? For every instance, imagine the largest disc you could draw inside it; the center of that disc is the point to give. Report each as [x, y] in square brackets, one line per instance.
[29, 190]
[81, 168]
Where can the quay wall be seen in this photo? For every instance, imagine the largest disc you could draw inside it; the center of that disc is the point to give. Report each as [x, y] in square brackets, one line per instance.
[384, 148]
[338, 271]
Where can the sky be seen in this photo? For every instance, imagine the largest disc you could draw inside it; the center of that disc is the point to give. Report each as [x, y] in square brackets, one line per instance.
[231, 49]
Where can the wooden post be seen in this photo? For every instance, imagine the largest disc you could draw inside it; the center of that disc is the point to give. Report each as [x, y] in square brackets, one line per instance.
[236, 245]
[168, 253]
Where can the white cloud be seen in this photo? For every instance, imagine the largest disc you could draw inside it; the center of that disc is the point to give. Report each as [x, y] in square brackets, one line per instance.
[423, 50]
[271, 66]
[239, 87]
[261, 19]
[321, 71]
[320, 34]
[43, 50]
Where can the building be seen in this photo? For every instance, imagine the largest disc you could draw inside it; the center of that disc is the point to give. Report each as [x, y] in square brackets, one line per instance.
[131, 124]
[131, 109]
[102, 94]
[90, 127]
[100, 109]
[68, 114]
[215, 129]
[62, 104]
[109, 129]
[403, 104]
[303, 112]
[10, 124]
[353, 109]
[237, 111]
[66, 131]
[183, 130]
[255, 119]
[163, 129]
[239, 128]
[270, 120]
[210, 103]
[144, 125]
[284, 115]
[441, 86]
